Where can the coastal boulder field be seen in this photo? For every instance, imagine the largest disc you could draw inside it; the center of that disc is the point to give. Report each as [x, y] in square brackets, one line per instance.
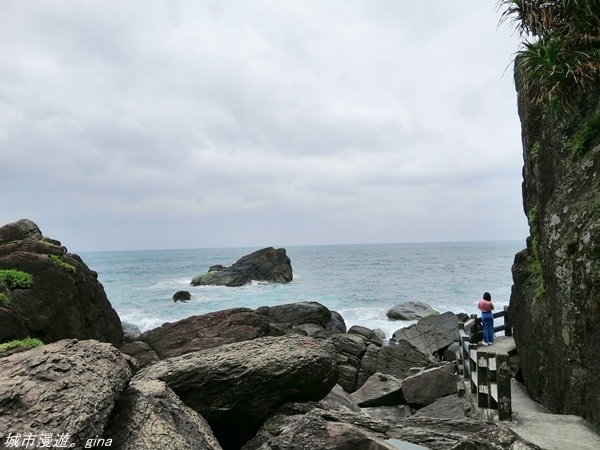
[284, 377]
[268, 264]
[52, 294]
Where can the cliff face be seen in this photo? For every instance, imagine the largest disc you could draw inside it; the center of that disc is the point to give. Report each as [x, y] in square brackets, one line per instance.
[555, 301]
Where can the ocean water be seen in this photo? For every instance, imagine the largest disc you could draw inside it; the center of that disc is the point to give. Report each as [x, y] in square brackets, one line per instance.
[361, 282]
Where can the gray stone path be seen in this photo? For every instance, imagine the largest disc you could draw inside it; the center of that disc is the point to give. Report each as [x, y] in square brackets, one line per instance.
[536, 424]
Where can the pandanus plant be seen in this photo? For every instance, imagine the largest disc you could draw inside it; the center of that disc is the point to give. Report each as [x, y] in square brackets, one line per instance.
[561, 46]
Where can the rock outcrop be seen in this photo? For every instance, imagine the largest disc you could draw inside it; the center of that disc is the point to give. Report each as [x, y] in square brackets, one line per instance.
[379, 390]
[432, 334]
[236, 387]
[206, 331]
[69, 387]
[555, 299]
[312, 431]
[64, 300]
[411, 311]
[429, 385]
[310, 318]
[396, 360]
[150, 416]
[268, 264]
[240, 324]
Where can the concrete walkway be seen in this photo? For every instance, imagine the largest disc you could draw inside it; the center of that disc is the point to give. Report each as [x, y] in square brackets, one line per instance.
[534, 423]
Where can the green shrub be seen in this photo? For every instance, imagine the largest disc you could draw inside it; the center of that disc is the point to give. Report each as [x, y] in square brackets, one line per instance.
[4, 300]
[16, 278]
[58, 260]
[18, 343]
[586, 134]
[561, 48]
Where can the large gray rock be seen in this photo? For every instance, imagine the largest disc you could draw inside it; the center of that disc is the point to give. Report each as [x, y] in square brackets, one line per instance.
[311, 317]
[450, 407]
[338, 399]
[395, 360]
[150, 416]
[350, 349]
[312, 431]
[370, 336]
[388, 413]
[236, 387]
[431, 334]
[206, 331]
[66, 300]
[428, 385]
[458, 434]
[268, 264]
[141, 352]
[379, 390]
[131, 332]
[411, 311]
[69, 386]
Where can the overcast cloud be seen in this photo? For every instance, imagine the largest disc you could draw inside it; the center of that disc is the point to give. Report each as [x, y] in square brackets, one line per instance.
[176, 124]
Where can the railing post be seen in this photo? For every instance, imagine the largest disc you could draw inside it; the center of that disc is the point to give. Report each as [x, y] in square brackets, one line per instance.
[465, 353]
[504, 394]
[473, 367]
[507, 322]
[483, 388]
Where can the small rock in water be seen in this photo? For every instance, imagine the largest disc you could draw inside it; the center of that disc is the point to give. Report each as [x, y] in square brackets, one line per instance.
[182, 296]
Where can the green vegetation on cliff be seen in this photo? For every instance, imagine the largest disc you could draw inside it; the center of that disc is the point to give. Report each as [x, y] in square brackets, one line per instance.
[561, 49]
[61, 263]
[20, 343]
[16, 279]
[4, 300]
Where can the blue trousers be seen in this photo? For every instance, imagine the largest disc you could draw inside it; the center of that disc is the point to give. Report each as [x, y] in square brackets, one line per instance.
[487, 318]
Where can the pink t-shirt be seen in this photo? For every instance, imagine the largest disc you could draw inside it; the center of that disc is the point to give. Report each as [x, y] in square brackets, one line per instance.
[485, 305]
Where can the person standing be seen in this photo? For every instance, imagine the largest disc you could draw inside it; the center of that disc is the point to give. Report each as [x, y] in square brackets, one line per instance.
[486, 306]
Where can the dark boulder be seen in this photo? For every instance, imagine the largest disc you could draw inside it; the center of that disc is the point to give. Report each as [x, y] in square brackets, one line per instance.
[369, 336]
[396, 360]
[350, 349]
[141, 352]
[428, 385]
[206, 331]
[150, 416]
[311, 318]
[388, 414]
[182, 296]
[65, 300]
[432, 334]
[458, 434]
[379, 390]
[450, 407]
[338, 399]
[236, 387]
[69, 386]
[268, 264]
[312, 431]
[411, 311]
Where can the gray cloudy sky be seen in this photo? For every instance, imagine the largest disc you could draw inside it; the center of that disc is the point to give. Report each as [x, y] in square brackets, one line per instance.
[176, 124]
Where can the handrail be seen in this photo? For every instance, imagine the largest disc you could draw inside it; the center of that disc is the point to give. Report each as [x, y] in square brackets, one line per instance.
[488, 373]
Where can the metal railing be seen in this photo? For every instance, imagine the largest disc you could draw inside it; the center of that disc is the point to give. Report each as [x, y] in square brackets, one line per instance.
[488, 373]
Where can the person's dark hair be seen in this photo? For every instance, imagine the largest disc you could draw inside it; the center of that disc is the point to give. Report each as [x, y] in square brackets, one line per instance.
[487, 296]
